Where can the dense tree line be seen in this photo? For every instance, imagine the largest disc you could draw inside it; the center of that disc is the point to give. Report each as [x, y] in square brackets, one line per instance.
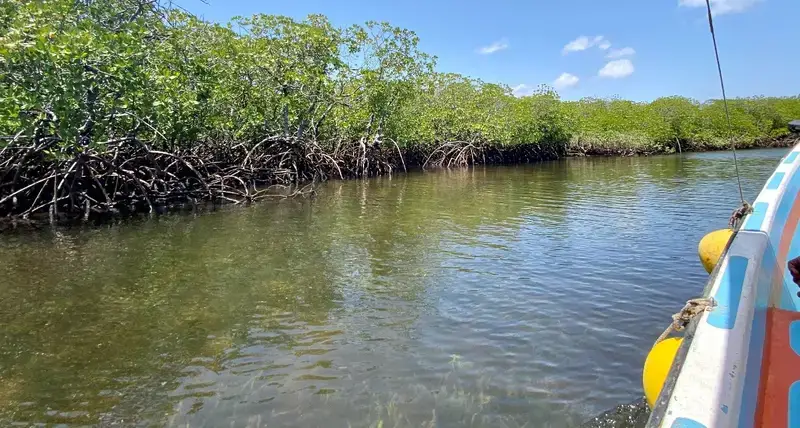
[120, 105]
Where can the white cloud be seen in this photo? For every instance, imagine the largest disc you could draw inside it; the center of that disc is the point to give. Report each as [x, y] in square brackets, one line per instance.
[580, 44]
[584, 42]
[522, 90]
[494, 47]
[617, 69]
[565, 80]
[619, 53]
[721, 7]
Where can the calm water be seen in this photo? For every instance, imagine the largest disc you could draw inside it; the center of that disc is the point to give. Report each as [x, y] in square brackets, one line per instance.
[514, 296]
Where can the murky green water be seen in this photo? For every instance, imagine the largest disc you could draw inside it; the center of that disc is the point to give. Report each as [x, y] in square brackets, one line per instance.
[514, 296]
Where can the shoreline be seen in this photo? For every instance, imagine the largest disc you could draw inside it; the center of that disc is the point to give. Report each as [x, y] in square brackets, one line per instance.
[107, 116]
[128, 179]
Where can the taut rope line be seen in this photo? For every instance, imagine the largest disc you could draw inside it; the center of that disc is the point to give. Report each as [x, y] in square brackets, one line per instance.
[725, 103]
[698, 306]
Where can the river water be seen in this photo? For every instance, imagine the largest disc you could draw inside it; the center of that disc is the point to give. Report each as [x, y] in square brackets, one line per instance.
[501, 296]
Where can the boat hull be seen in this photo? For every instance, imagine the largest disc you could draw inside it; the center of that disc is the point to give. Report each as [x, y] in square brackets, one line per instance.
[739, 365]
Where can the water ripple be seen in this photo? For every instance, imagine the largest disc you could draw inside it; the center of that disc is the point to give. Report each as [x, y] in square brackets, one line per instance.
[513, 296]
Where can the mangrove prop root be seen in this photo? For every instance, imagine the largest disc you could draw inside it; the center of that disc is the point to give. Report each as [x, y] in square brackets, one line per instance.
[126, 176]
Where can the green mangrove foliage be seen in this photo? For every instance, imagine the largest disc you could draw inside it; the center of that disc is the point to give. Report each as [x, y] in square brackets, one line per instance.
[119, 106]
[677, 123]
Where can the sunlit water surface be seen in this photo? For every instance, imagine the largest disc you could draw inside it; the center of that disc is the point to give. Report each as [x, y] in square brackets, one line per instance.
[503, 296]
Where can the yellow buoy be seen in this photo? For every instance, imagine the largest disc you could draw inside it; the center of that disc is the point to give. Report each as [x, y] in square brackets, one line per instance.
[711, 247]
[656, 367]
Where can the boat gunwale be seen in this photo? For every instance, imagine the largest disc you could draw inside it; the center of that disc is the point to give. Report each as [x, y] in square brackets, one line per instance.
[662, 402]
[664, 399]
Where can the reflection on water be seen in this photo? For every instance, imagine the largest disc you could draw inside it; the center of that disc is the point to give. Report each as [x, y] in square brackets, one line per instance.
[514, 296]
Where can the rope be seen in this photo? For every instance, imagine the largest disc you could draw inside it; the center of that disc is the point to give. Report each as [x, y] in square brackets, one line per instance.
[725, 102]
[696, 307]
[680, 320]
[738, 215]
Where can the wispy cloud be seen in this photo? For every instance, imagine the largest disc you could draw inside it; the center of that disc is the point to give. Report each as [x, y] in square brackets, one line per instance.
[494, 47]
[565, 80]
[617, 69]
[601, 42]
[522, 90]
[721, 7]
[584, 42]
[619, 53]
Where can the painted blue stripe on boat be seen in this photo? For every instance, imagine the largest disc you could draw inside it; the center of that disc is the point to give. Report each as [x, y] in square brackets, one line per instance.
[686, 423]
[794, 336]
[783, 208]
[775, 181]
[792, 156]
[755, 348]
[756, 218]
[794, 405]
[729, 294]
[752, 379]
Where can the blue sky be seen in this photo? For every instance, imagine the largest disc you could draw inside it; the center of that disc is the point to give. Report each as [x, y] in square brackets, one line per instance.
[635, 49]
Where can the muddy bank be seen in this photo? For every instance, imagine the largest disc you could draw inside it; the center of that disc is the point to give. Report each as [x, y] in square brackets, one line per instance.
[126, 177]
